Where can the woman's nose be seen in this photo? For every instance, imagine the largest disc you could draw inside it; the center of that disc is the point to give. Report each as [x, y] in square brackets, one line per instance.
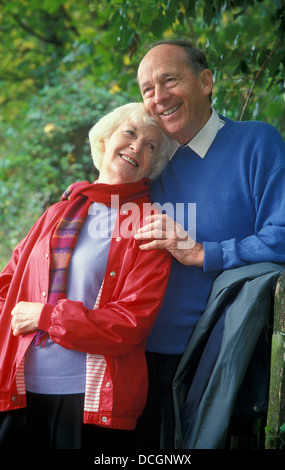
[136, 146]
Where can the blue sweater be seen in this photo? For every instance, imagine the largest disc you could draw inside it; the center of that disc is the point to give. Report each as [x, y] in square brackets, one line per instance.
[239, 192]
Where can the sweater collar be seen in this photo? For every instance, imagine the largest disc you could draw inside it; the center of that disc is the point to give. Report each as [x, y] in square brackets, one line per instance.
[103, 193]
[202, 141]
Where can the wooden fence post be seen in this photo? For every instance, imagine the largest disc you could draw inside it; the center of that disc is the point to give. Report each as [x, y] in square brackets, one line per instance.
[275, 433]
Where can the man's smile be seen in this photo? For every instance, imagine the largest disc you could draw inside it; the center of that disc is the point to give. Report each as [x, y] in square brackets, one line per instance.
[171, 110]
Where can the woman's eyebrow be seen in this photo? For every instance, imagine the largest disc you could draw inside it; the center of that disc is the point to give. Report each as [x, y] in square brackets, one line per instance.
[128, 125]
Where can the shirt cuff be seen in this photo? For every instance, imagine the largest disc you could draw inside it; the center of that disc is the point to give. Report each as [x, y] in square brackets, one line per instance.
[213, 257]
[45, 318]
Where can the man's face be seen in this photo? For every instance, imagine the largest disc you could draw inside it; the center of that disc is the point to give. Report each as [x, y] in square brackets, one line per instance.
[172, 94]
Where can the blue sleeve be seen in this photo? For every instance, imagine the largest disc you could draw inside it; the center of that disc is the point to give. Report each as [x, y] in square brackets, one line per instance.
[266, 179]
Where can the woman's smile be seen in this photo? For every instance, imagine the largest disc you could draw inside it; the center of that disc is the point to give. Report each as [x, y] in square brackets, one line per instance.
[129, 159]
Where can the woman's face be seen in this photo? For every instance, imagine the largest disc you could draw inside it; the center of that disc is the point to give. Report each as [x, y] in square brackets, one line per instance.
[129, 153]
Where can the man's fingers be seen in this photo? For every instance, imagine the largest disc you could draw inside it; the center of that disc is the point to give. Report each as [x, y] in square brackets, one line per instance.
[154, 245]
[159, 226]
[151, 233]
[145, 232]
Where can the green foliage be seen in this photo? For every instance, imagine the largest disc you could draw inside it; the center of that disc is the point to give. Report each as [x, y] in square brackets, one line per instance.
[66, 62]
[104, 40]
[53, 153]
[278, 437]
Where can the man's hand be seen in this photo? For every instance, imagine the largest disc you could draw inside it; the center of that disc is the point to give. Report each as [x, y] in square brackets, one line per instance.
[25, 317]
[162, 232]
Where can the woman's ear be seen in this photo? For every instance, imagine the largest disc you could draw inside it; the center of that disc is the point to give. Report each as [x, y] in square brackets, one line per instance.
[102, 145]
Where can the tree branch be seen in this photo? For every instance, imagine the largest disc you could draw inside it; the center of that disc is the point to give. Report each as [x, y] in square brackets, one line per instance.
[69, 19]
[29, 30]
[256, 77]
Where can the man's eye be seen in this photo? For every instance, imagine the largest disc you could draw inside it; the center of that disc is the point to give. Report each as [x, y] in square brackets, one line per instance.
[147, 91]
[170, 81]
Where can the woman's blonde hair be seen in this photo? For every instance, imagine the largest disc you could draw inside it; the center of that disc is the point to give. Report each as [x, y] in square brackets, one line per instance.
[135, 112]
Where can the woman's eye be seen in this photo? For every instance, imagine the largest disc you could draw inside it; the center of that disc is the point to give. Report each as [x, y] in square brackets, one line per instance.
[151, 147]
[130, 132]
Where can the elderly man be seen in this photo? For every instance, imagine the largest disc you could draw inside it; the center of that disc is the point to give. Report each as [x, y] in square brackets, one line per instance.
[235, 174]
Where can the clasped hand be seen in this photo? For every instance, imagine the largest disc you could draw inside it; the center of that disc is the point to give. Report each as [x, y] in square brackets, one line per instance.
[25, 317]
[162, 232]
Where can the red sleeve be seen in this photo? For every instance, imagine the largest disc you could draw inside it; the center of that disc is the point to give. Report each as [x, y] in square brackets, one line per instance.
[13, 271]
[6, 275]
[119, 324]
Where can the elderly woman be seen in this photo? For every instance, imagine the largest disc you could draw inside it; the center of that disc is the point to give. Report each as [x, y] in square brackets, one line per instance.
[82, 298]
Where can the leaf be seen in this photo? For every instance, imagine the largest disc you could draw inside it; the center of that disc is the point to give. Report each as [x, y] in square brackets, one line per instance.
[51, 6]
[157, 26]
[276, 61]
[190, 8]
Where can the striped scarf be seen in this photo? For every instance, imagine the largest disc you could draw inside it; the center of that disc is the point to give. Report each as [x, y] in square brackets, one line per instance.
[79, 197]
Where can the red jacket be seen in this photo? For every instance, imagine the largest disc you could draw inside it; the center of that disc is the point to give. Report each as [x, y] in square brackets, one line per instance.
[113, 334]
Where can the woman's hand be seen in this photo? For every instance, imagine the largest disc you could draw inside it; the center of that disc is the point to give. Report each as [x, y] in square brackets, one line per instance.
[25, 317]
[162, 232]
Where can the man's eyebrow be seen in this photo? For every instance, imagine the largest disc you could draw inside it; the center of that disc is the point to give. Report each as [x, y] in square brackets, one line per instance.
[159, 78]
[145, 84]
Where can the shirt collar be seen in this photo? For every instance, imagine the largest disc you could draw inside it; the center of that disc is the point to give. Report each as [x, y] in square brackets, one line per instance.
[202, 141]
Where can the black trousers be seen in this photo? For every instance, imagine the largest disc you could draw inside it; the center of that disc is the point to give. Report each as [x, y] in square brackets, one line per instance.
[56, 422]
[155, 428]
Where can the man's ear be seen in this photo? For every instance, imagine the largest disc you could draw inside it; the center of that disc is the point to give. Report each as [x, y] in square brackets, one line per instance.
[206, 79]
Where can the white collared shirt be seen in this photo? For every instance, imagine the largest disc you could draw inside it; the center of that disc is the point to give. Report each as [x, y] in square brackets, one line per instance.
[203, 140]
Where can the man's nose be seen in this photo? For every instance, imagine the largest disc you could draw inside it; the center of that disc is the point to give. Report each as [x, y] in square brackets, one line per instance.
[160, 94]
